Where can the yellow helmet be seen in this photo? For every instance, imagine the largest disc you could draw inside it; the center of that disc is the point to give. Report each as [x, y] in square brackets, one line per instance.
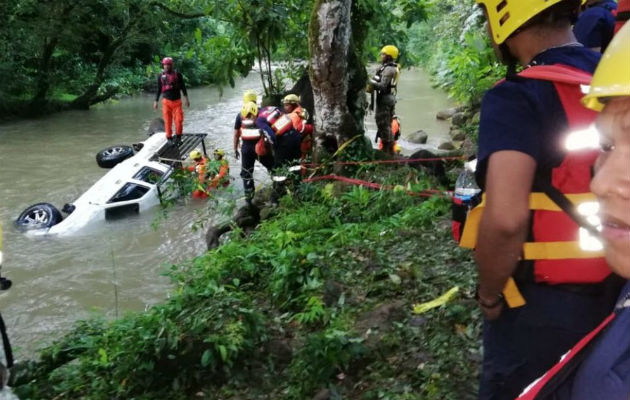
[195, 154]
[249, 95]
[390, 50]
[291, 99]
[612, 76]
[506, 16]
[249, 108]
[219, 153]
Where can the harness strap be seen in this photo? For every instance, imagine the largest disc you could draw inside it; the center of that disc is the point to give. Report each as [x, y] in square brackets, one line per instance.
[537, 201]
[546, 384]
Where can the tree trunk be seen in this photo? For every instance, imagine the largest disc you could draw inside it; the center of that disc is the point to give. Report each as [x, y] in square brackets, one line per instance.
[329, 44]
[89, 96]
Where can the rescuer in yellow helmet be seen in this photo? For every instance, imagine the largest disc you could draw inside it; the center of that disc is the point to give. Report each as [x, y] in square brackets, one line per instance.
[535, 278]
[384, 82]
[591, 370]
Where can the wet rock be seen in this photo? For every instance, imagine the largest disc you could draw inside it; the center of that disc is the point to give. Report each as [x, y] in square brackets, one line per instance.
[447, 146]
[446, 114]
[459, 118]
[419, 137]
[323, 394]
[432, 166]
[457, 134]
[469, 147]
[247, 217]
[267, 212]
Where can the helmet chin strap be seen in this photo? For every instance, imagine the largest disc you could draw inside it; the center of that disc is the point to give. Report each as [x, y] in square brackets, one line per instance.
[508, 59]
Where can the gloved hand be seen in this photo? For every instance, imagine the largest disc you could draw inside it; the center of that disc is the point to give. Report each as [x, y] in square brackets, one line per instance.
[237, 155]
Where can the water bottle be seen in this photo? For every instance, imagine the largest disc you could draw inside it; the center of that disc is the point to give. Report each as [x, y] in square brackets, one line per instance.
[466, 186]
[464, 198]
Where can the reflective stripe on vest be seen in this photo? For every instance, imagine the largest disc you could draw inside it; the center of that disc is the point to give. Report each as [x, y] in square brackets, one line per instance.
[249, 131]
[560, 248]
[283, 125]
[270, 114]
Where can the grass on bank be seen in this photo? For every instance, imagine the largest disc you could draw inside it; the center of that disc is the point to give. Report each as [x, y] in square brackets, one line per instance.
[316, 302]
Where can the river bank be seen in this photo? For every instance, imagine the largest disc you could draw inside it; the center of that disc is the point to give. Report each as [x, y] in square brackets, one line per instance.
[316, 303]
[116, 266]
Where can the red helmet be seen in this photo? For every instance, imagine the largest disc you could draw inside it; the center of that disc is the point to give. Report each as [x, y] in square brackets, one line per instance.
[167, 60]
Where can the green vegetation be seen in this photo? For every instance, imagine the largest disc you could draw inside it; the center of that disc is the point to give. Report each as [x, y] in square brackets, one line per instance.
[76, 53]
[318, 298]
[452, 43]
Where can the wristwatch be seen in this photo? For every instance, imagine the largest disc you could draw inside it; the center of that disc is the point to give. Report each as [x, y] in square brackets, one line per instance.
[484, 304]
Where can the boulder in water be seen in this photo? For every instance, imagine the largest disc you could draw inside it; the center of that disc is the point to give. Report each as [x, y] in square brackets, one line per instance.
[419, 137]
[446, 114]
[446, 146]
[457, 134]
[459, 118]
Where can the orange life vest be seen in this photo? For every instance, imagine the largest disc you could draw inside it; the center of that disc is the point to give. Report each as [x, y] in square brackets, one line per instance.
[555, 248]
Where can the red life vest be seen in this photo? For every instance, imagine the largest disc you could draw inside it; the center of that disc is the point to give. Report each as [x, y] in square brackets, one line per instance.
[283, 124]
[249, 130]
[554, 247]
[169, 80]
[270, 114]
[622, 14]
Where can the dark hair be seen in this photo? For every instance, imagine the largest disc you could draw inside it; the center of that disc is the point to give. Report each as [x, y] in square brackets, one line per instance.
[558, 15]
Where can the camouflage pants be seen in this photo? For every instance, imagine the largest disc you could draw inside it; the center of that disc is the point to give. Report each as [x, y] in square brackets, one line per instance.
[384, 114]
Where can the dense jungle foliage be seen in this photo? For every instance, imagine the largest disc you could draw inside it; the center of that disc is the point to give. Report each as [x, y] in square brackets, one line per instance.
[76, 53]
[453, 45]
[317, 301]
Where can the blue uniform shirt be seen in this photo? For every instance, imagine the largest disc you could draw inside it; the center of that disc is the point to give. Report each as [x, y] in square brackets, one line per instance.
[605, 372]
[527, 116]
[595, 26]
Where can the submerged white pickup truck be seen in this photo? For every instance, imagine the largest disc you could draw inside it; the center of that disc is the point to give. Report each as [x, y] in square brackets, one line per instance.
[138, 180]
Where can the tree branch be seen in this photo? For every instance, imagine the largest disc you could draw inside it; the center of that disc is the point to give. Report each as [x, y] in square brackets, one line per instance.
[177, 13]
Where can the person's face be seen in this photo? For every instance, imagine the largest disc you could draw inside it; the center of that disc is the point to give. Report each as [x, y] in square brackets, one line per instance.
[383, 57]
[167, 67]
[288, 107]
[611, 183]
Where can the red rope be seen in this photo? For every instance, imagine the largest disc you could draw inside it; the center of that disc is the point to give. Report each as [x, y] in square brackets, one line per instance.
[377, 186]
[399, 161]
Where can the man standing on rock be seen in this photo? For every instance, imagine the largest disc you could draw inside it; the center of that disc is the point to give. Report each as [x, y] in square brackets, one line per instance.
[169, 84]
[384, 83]
[540, 288]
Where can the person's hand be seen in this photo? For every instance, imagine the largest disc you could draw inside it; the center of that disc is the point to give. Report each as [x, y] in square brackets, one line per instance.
[155, 105]
[187, 102]
[237, 155]
[490, 314]
[491, 305]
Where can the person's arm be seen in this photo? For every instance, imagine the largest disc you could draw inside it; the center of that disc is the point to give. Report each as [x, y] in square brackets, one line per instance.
[183, 89]
[159, 91]
[386, 79]
[261, 123]
[504, 224]
[237, 135]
